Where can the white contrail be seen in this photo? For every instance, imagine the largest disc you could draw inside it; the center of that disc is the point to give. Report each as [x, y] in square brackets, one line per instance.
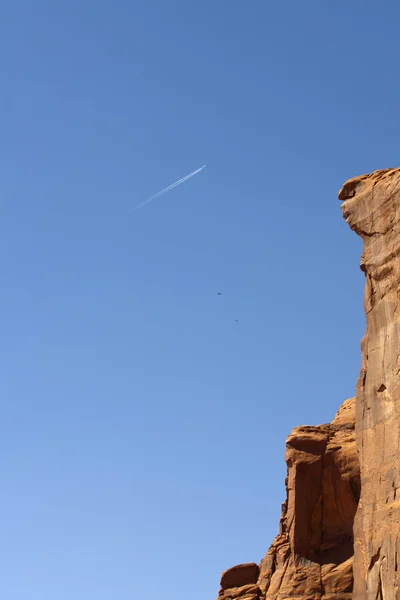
[168, 188]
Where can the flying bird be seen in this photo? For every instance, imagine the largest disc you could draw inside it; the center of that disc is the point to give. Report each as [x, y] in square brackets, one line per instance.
[219, 294]
[168, 188]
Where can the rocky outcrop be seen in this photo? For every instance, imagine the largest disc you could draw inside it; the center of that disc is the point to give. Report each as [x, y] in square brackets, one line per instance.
[339, 536]
[371, 206]
[311, 557]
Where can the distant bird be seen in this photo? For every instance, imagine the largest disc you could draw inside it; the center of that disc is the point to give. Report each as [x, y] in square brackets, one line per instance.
[236, 321]
[219, 294]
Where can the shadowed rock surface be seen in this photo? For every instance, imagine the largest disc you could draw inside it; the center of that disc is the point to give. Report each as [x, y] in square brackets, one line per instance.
[311, 557]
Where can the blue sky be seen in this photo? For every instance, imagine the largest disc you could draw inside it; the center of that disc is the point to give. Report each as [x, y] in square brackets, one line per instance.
[143, 430]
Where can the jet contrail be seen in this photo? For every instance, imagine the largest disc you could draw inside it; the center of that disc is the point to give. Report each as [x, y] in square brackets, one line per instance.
[168, 188]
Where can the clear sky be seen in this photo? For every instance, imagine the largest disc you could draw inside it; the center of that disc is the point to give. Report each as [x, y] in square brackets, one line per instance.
[142, 428]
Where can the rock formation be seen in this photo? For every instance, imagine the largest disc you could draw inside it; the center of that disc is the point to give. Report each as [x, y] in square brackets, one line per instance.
[339, 535]
[311, 557]
[372, 209]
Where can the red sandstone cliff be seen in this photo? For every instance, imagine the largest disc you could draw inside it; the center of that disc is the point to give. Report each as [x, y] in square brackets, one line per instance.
[372, 209]
[337, 541]
[311, 557]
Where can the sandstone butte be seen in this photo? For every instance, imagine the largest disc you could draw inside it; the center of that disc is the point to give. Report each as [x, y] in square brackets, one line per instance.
[339, 533]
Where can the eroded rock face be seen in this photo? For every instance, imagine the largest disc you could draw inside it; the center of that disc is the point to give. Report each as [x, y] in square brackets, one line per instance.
[311, 557]
[371, 206]
[324, 518]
